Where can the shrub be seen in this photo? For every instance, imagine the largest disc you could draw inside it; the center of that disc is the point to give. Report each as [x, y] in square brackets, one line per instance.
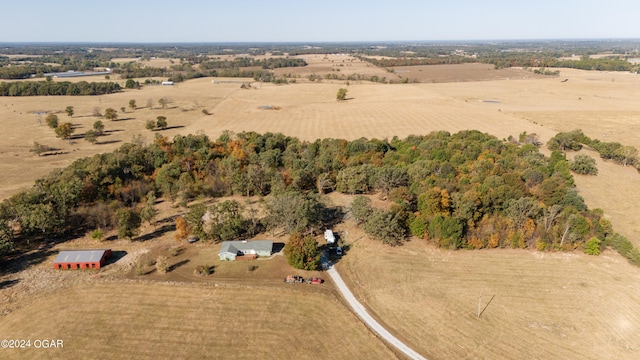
[592, 246]
[162, 265]
[584, 164]
[97, 234]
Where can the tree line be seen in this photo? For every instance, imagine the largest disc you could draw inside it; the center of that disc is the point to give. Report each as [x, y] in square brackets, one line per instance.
[465, 190]
[52, 88]
[574, 140]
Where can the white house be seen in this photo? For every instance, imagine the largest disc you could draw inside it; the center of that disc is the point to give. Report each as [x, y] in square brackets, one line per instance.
[232, 249]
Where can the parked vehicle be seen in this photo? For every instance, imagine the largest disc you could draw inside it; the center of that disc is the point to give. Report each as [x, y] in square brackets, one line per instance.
[291, 279]
[314, 280]
[328, 235]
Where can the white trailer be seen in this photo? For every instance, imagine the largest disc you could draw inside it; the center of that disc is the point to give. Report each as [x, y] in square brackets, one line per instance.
[328, 235]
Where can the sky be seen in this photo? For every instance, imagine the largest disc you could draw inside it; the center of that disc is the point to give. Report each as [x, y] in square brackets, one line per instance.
[314, 21]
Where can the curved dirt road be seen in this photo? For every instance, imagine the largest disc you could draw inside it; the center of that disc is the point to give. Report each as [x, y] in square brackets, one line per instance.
[364, 315]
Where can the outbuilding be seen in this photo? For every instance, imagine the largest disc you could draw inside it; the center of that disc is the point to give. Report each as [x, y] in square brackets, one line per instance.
[81, 259]
[240, 250]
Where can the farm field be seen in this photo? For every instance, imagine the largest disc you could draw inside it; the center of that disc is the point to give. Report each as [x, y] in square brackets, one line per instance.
[577, 306]
[546, 305]
[109, 320]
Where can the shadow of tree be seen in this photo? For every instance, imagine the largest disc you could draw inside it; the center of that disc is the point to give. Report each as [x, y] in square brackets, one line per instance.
[177, 265]
[157, 232]
[19, 261]
[115, 256]
[8, 283]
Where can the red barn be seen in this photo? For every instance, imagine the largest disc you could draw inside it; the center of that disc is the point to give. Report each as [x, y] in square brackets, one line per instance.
[81, 259]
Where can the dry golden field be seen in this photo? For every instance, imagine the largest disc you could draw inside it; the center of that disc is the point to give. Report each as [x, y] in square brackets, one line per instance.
[116, 320]
[546, 305]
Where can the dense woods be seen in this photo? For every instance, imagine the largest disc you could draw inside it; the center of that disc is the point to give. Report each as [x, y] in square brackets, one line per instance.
[46, 88]
[466, 190]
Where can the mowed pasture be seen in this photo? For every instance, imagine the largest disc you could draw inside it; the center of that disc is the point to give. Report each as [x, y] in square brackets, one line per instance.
[107, 320]
[542, 305]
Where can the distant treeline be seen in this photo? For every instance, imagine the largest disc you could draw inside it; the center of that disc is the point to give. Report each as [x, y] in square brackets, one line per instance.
[44, 88]
[412, 61]
[506, 60]
[238, 67]
[466, 190]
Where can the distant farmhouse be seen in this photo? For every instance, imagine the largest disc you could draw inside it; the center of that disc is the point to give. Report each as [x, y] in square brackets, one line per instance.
[245, 250]
[81, 259]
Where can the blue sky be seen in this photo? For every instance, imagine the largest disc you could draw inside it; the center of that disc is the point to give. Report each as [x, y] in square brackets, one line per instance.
[314, 21]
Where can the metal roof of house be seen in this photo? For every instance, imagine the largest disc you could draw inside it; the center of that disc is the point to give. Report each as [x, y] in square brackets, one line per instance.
[235, 246]
[80, 256]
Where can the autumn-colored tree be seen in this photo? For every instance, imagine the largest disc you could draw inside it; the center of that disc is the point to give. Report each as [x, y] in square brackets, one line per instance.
[302, 252]
[64, 131]
[182, 229]
[132, 104]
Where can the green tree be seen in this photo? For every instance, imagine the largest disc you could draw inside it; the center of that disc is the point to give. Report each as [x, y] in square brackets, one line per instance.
[98, 127]
[91, 136]
[132, 104]
[129, 222]
[361, 208]
[111, 114]
[447, 231]
[387, 226]
[161, 122]
[302, 252]
[64, 131]
[342, 94]
[295, 212]
[130, 84]
[6, 238]
[572, 140]
[225, 221]
[195, 219]
[150, 125]
[149, 212]
[69, 111]
[52, 121]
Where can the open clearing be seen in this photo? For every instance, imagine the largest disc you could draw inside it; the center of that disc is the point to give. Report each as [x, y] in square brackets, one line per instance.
[145, 320]
[546, 305]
